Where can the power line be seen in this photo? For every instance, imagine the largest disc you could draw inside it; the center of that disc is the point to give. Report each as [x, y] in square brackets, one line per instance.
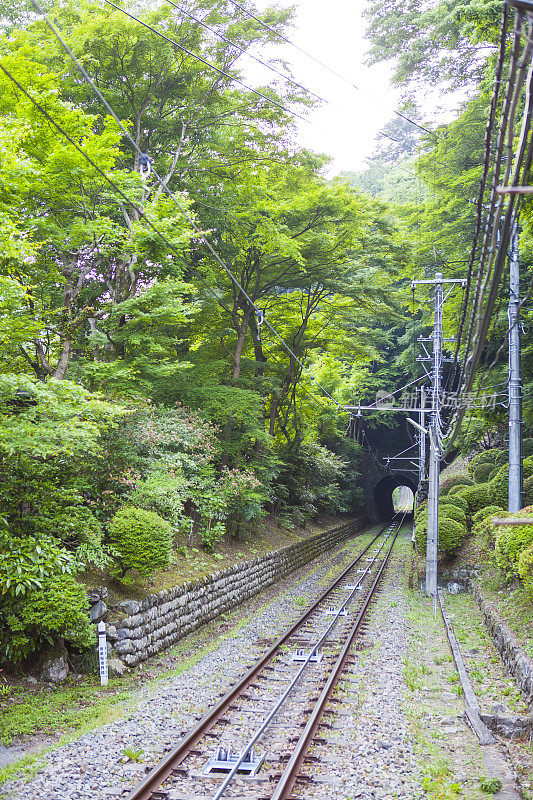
[187, 216]
[220, 71]
[329, 69]
[268, 66]
[246, 53]
[496, 238]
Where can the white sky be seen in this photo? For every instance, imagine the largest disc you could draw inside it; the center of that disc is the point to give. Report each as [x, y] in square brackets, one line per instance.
[333, 31]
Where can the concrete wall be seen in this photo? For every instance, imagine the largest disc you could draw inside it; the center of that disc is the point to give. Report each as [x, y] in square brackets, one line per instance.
[157, 622]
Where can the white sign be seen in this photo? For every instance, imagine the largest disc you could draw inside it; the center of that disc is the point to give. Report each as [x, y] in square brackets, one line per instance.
[102, 653]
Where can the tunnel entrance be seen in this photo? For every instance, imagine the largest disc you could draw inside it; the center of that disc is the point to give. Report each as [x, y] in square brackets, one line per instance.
[392, 493]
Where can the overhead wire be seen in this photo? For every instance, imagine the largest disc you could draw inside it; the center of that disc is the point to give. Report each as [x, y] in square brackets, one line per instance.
[328, 68]
[495, 243]
[187, 216]
[246, 53]
[220, 71]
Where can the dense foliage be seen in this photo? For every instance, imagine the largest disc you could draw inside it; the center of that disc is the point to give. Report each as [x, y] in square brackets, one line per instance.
[144, 401]
[143, 404]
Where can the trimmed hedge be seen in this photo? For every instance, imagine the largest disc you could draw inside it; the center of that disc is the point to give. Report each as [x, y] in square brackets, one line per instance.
[451, 535]
[511, 542]
[527, 448]
[455, 480]
[499, 485]
[143, 539]
[483, 525]
[525, 570]
[528, 491]
[476, 497]
[495, 457]
[482, 472]
[455, 490]
[456, 500]
[452, 512]
[488, 511]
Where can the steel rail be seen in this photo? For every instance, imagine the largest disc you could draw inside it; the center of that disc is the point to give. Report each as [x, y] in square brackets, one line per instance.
[164, 768]
[290, 774]
[285, 696]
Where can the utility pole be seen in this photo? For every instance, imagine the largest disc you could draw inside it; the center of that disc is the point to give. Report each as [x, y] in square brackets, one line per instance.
[422, 440]
[436, 360]
[434, 450]
[514, 388]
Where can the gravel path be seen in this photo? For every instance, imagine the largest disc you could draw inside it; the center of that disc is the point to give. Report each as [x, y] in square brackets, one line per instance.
[369, 751]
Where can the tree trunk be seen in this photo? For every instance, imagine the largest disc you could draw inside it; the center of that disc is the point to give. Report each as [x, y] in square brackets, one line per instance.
[237, 355]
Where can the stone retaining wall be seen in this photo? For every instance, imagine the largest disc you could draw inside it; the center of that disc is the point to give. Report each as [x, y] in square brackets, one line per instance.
[518, 663]
[157, 622]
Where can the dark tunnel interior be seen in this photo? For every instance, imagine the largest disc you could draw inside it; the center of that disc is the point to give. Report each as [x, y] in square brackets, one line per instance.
[383, 500]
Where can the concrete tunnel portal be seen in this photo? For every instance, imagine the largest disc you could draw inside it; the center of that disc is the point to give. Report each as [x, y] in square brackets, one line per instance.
[384, 504]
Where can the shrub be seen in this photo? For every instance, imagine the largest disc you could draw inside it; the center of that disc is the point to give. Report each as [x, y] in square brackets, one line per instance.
[476, 497]
[421, 510]
[143, 539]
[483, 525]
[527, 448]
[451, 535]
[525, 570]
[455, 490]
[499, 485]
[527, 498]
[511, 542]
[457, 500]
[453, 512]
[455, 480]
[162, 493]
[484, 513]
[56, 610]
[482, 472]
[495, 457]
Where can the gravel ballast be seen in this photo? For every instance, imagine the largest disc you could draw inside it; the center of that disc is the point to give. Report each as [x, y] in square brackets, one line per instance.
[387, 738]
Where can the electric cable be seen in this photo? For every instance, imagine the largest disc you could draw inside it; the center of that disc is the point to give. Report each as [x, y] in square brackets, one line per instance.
[246, 53]
[283, 75]
[220, 71]
[167, 191]
[330, 69]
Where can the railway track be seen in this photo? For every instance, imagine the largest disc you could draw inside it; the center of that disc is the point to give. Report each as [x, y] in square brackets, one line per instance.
[253, 742]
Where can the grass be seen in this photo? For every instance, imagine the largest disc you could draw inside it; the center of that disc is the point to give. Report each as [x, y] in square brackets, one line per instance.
[72, 707]
[431, 676]
[28, 766]
[484, 667]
